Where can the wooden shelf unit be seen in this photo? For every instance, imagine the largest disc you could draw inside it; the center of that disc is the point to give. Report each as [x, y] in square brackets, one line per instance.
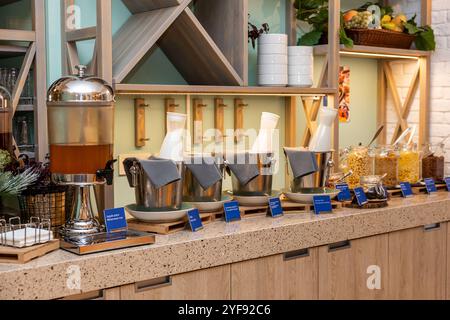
[34, 54]
[149, 89]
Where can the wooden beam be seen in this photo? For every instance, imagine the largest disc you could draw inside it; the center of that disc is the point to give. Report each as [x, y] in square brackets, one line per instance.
[104, 40]
[93, 66]
[40, 80]
[219, 119]
[81, 34]
[17, 35]
[424, 117]
[425, 12]
[291, 26]
[382, 110]
[72, 57]
[23, 75]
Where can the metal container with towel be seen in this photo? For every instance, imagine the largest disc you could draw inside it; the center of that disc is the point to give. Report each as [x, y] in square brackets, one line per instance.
[203, 176]
[251, 173]
[158, 183]
[303, 174]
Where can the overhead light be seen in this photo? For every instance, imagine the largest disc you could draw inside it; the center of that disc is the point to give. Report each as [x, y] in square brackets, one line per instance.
[377, 55]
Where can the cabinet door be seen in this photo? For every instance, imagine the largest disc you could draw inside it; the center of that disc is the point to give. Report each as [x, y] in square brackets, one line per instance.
[355, 269]
[417, 263]
[205, 284]
[292, 276]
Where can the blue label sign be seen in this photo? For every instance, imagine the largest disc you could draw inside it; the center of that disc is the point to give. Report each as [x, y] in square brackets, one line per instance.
[194, 220]
[115, 219]
[406, 189]
[344, 194]
[447, 182]
[361, 196]
[275, 208]
[232, 212]
[322, 204]
[431, 185]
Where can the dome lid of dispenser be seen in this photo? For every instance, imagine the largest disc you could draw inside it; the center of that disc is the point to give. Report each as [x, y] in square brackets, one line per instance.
[80, 88]
[5, 100]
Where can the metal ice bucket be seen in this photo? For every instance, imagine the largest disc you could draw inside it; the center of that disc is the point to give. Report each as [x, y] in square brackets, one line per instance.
[316, 180]
[193, 191]
[148, 197]
[262, 184]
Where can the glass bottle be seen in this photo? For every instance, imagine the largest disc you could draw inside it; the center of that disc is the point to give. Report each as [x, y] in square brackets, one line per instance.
[386, 162]
[6, 113]
[409, 164]
[373, 187]
[433, 162]
[358, 160]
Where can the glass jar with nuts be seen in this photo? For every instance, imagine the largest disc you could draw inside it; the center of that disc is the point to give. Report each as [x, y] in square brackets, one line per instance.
[386, 162]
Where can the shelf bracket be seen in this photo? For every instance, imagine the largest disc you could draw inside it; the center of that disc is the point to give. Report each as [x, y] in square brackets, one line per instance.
[198, 120]
[139, 116]
[239, 107]
[170, 106]
[219, 119]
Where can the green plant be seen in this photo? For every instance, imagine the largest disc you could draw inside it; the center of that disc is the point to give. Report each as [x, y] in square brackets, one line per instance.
[13, 185]
[315, 13]
[425, 39]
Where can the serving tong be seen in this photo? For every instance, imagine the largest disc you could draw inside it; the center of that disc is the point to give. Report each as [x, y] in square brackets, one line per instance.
[16, 234]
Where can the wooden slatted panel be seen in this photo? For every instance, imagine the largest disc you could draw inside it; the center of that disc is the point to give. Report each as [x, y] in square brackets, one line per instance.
[138, 36]
[139, 6]
[230, 34]
[195, 55]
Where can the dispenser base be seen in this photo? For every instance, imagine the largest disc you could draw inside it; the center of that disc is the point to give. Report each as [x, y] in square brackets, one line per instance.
[100, 242]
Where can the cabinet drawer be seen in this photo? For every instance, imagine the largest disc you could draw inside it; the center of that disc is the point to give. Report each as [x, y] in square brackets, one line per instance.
[205, 284]
[355, 269]
[292, 276]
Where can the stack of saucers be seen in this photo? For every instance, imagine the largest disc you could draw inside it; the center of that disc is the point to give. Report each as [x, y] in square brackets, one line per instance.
[273, 60]
[301, 66]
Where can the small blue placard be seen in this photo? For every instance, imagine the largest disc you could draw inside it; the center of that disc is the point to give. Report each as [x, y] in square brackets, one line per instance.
[115, 219]
[406, 189]
[232, 212]
[447, 182]
[344, 194]
[322, 204]
[431, 185]
[275, 207]
[194, 220]
[361, 196]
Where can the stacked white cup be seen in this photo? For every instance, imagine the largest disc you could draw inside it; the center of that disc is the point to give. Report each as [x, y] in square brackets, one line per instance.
[301, 66]
[273, 60]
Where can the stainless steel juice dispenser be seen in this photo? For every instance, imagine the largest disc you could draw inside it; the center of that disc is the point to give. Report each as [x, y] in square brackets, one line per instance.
[81, 137]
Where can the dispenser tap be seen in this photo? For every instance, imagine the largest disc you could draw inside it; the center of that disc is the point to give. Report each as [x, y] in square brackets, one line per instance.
[107, 173]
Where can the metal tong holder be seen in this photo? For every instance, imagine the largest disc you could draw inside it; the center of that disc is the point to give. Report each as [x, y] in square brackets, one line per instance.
[15, 226]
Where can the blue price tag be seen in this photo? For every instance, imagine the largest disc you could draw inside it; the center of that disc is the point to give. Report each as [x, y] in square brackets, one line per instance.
[322, 204]
[344, 194]
[194, 220]
[115, 219]
[361, 196]
[406, 189]
[431, 185]
[275, 208]
[232, 212]
[447, 182]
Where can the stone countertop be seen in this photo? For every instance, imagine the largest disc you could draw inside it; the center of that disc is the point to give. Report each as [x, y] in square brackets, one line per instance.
[217, 244]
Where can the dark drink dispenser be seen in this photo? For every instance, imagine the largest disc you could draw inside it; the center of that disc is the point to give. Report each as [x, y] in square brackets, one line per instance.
[81, 136]
[6, 114]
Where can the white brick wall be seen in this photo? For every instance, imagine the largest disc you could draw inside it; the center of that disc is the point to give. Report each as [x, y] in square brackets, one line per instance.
[440, 73]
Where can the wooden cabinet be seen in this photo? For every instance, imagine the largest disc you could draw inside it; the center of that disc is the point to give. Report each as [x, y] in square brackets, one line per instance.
[292, 276]
[207, 284]
[354, 269]
[417, 263]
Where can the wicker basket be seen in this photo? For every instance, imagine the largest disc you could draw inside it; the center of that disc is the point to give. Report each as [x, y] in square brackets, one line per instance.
[381, 38]
[46, 202]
